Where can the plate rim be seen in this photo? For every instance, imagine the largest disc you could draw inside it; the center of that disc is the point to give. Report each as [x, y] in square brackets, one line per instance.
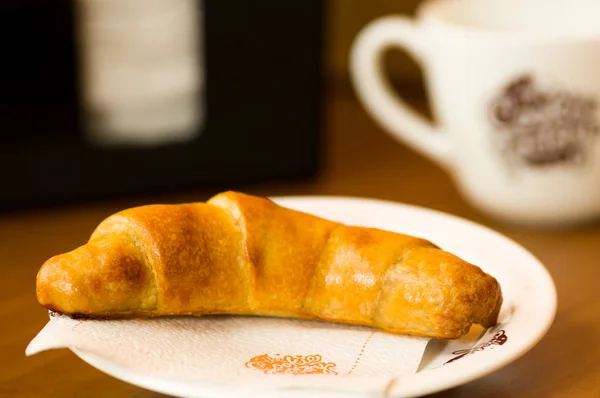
[446, 377]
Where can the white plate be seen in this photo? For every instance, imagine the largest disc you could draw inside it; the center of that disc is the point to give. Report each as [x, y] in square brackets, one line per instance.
[528, 310]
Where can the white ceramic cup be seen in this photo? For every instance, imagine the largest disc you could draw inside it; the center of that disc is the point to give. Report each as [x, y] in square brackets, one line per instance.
[514, 87]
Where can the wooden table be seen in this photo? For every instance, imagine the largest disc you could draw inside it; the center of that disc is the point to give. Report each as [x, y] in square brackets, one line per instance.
[359, 160]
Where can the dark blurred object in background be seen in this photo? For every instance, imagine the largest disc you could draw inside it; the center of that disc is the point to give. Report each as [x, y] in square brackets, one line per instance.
[255, 93]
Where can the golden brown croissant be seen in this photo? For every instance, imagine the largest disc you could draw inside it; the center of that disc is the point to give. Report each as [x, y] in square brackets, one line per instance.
[241, 254]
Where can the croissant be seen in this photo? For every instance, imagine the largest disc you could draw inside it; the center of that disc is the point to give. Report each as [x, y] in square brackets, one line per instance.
[242, 254]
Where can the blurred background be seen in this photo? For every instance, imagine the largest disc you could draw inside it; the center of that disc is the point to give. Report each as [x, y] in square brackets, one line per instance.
[108, 104]
[104, 98]
[344, 21]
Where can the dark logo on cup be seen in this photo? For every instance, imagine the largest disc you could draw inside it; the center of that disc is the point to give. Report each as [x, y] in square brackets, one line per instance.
[541, 128]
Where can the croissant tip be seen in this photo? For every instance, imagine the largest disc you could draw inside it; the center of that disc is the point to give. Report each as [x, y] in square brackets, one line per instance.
[490, 309]
[43, 286]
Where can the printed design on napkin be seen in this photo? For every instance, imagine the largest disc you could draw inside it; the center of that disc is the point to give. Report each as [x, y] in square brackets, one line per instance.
[291, 365]
[498, 339]
[362, 351]
[539, 128]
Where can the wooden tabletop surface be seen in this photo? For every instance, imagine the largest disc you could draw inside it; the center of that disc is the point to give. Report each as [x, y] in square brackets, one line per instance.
[359, 160]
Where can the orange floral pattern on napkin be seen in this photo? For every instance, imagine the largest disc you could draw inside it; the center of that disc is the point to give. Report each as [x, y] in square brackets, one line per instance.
[291, 365]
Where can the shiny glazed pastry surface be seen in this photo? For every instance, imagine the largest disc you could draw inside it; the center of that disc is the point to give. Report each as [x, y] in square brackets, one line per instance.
[242, 254]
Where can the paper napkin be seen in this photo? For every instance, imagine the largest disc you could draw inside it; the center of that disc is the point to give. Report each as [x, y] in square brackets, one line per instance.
[261, 351]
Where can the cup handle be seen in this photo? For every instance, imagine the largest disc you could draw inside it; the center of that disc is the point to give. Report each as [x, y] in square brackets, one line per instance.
[376, 94]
